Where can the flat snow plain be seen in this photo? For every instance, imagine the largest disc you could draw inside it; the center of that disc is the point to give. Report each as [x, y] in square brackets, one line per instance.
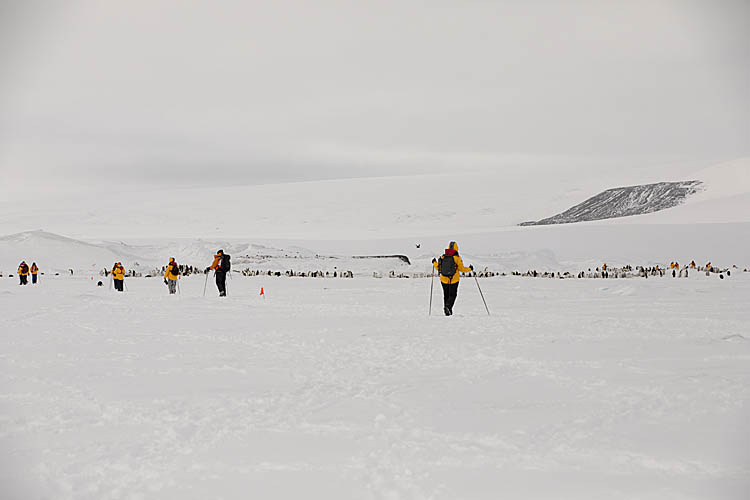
[346, 389]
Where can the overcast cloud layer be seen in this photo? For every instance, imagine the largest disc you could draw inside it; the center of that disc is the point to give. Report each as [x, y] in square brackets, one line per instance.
[217, 92]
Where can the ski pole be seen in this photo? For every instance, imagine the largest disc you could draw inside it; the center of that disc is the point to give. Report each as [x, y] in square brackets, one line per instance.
[480, 293]
[432, 284]
[179, 292]
[204, 284]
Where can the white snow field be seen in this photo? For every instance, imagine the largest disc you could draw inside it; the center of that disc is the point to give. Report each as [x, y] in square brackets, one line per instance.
[346, 389]
[445, 205]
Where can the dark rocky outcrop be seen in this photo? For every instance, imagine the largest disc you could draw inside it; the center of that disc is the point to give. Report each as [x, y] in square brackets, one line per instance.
[625, 201]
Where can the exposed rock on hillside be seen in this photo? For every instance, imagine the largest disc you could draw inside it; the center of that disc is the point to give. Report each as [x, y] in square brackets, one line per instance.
[625, 201]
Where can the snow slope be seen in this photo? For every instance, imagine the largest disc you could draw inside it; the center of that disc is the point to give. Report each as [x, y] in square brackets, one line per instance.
[339, 209]
[362, 209]
[344, 389]
[58, 254]
[720, 195]
[55, 253]
[725, 199]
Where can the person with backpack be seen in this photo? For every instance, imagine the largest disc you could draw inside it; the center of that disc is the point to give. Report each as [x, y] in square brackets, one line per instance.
[34, 272]
[221, 267]
[450, 266]
[23, 273]
[171, 275]
[118, 276]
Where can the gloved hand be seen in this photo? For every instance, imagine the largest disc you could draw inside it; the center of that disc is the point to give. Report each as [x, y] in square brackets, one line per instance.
[208, 269]
[471, 267]
[434, 260]
[165, 281]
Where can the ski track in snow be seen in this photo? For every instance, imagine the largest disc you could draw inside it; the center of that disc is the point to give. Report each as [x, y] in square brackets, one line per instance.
[344, 388]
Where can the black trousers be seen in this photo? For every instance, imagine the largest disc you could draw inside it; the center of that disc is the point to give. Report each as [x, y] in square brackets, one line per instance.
[33, 279]
[450, 292]
[119, 285]
[24, 279]
[221, 283]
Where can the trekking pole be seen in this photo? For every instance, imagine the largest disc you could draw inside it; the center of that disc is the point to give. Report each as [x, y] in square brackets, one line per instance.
[432, 284]
[480, 293]
[179, 292]
[204, 284]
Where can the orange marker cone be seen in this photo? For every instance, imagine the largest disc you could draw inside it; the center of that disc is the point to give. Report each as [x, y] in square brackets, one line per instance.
[262, 292]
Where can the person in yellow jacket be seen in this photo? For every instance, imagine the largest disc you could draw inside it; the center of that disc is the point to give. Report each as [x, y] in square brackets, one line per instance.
[450, 266]
[118, 276]
[23, 273]
[34, 272]
[171, 275]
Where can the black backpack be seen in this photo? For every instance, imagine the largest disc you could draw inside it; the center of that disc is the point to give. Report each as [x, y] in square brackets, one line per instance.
[174, 270]
[447, 266]
[225, 264]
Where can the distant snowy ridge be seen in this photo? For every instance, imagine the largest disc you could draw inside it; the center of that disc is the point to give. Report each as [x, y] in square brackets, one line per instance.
[56, 253]
[624, 202]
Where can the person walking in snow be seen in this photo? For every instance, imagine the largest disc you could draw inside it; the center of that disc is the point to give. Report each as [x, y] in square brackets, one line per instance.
[23, 273]
[34, 272]
[118, 276]
[221, 267]
[450, 266]
[171, 275]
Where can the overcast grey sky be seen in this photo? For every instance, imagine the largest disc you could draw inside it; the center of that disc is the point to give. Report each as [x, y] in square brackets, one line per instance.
[214, 91]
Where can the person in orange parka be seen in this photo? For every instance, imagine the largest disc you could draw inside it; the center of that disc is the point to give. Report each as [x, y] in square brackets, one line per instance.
[450, 267]
[34, 272]
[221, 266]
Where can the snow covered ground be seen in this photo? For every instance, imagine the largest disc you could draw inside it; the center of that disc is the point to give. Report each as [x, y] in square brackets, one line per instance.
[345, 388]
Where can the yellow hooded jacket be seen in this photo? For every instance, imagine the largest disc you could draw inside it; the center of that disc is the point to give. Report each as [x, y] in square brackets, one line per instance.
[23, 270]
[118, 273]
[34, 269]
[460, 268]
[167, 274]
